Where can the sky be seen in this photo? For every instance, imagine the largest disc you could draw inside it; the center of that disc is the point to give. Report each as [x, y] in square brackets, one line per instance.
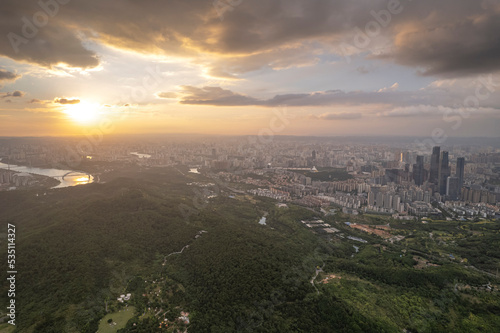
[250, 67]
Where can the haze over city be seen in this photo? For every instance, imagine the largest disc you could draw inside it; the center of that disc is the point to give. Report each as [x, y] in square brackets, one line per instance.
[217, 67]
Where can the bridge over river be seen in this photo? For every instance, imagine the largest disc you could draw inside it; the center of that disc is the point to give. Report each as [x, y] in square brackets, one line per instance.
[75, 173]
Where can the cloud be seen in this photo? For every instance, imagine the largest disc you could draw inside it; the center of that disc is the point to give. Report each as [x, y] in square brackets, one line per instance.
[411, 111]
[445, 38]
[16, 93]
[66, 101]
[455, 39]
[34, 101]
[217, 96]
[394, 87]
[8, 76]
[454, 93]
[166, 95]
[431, 111]
[214, 96]
[338, 116]
[278, 58]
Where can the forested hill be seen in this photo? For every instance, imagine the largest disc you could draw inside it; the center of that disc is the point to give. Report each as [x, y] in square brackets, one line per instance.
[179, 243]
[79, 247]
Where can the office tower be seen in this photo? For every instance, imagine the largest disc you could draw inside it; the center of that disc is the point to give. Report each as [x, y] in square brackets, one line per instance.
[314, 154]
[452, 188]
[460, 171]
[434, 172]
[444, 172]
[418, 171]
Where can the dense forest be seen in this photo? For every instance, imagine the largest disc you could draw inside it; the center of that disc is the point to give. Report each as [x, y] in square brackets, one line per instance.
[157, 235]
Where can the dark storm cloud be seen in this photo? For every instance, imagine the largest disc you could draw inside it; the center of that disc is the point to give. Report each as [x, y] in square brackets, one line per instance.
[66, 101]
[448, 37]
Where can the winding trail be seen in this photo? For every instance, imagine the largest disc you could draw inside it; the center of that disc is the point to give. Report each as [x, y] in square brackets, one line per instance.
[201, 232]
[318, 270]
[179, 252]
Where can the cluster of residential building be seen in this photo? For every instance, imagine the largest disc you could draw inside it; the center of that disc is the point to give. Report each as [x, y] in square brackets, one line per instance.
[385, 178]
[11, 180]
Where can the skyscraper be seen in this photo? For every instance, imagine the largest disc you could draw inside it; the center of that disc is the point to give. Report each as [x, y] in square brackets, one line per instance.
[452, 189]
[434, 172]
[444, 172]
[460, 171]
[418, 171]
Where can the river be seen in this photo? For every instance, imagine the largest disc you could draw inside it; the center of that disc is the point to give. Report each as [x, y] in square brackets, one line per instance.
[140, 155]
[66, 177]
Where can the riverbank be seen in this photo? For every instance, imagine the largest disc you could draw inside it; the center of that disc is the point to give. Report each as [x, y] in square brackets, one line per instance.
[19, 175]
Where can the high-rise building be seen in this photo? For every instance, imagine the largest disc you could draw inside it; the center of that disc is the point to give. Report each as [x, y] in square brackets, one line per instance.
[379, 201]
[452, 188]
[371, 198]
[387, 201]
[427, 197]
[396, 202]
[444, 172]
[434, 172]
[418, 171]
[460, 171]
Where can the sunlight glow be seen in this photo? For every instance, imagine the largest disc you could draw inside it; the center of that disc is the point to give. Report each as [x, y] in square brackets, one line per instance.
[82, 180]
[83, 112]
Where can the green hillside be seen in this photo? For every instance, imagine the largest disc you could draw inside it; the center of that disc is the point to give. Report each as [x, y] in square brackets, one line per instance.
[157, 235]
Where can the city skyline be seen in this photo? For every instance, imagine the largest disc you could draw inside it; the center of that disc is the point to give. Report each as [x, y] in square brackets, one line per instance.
[323, 68]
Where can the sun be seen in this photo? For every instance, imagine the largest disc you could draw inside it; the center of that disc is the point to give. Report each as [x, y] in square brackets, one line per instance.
[83, 112]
